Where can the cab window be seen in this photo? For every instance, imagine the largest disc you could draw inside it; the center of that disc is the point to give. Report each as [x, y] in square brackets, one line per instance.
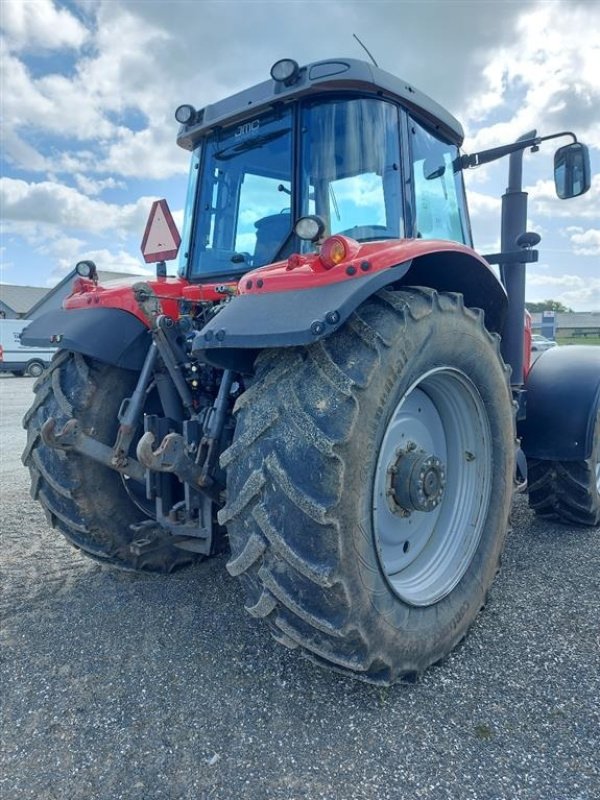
[440, 210]
[243, 217]
[351, 167]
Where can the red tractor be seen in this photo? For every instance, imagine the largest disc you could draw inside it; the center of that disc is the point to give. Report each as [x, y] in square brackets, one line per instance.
[336, 382]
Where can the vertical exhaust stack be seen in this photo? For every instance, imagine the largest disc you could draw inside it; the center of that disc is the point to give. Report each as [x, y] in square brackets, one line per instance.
[514, 224]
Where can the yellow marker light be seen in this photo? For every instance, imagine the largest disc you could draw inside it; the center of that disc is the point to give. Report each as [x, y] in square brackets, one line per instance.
[333, 252]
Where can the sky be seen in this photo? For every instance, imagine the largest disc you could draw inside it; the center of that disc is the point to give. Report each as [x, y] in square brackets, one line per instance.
[89, 88]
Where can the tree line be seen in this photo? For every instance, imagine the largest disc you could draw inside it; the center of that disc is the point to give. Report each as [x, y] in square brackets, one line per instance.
[548, 305]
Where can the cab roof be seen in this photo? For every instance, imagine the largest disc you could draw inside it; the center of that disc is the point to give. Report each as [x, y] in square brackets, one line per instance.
[332, 75]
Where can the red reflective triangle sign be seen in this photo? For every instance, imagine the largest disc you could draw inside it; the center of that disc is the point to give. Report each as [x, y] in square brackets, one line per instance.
[161, 238]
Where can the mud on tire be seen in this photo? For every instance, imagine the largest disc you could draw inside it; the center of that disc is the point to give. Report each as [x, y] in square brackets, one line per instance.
[85, 501]
[300, 490]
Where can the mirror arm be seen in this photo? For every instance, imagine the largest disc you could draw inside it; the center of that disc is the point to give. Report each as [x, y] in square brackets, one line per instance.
[486, 156]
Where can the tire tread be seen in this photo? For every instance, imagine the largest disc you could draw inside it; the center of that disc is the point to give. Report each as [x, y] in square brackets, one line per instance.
[270, 561]
[69, 389]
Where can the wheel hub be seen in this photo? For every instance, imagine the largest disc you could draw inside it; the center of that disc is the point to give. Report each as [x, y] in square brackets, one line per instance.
[417, 482]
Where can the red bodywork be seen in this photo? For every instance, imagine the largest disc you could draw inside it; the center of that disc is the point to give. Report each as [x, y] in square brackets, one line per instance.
[308, 272]
[296, 273]
[527, 344]
[170, 292]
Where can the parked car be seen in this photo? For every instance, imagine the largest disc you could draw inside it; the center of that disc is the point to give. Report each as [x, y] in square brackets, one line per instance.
[18, 358]
[540, 343]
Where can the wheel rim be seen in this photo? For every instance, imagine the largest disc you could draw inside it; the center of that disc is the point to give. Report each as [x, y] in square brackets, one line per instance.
[432, 486]
[35, 370]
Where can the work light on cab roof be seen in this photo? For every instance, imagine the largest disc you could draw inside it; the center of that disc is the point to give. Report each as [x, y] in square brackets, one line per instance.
[285, 70]
[185, 113]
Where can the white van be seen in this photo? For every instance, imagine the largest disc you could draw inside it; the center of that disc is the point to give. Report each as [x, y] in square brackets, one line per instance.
[16, 357]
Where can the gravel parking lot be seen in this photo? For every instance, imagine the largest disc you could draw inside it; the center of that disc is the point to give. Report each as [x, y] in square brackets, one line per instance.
[117, 685]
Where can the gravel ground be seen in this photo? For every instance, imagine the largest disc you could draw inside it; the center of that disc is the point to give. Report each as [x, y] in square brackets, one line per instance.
[129, 686]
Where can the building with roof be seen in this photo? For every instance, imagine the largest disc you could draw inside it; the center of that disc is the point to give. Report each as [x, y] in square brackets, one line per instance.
[54, 297]
[30, 302]
[15, 301]
[578, 324]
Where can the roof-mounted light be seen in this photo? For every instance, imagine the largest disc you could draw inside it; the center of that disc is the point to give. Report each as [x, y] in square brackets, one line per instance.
[87, 269]
[185, 114]
[310, 228]
[285, 70]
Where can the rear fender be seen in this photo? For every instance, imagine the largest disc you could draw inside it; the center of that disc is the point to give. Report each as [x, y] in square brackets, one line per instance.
[110, 335]
[460, 271]
[563, 399]
[302, 314]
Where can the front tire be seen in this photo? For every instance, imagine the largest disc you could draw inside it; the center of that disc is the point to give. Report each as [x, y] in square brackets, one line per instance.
[87, 502]
[320, 526]
[568, 491]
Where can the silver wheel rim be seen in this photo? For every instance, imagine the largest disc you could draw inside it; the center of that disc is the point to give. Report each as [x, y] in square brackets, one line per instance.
[424, 554]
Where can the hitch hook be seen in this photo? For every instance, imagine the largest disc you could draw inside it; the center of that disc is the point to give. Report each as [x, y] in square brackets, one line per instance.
[170, 456]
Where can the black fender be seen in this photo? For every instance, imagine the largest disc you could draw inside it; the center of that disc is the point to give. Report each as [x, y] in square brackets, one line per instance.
[110, 335]
[251, 322]
[563, 399]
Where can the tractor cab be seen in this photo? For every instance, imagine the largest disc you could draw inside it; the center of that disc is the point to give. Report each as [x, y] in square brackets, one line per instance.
[368, 154]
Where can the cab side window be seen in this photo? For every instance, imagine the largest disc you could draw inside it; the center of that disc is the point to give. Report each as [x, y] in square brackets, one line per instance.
[440, 210]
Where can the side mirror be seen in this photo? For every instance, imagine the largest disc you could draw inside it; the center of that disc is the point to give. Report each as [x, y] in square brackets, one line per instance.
[572, 170]
[433, 169]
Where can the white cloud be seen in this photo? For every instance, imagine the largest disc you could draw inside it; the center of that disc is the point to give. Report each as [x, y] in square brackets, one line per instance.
[543, 201]
[151, 153]
[119, 75]
[54, 103]
[484, 211]
[480, 203]
[178, 217]
[551, 68]
[95, 187]
[148, 56]
[585, 243]
[17, 151]
[53, 205]
[39, 24]
[462, 27]
[74, 162]
[126, 70]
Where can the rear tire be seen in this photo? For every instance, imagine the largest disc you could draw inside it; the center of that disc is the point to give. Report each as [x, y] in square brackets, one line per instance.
[310, 539]
[85, 501]
[567, 491]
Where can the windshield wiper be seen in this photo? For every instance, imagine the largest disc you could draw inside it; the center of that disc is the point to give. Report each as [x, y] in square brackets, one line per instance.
[249, 144]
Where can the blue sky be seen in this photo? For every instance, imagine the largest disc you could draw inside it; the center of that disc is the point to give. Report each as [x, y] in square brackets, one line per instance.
[89, 89]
